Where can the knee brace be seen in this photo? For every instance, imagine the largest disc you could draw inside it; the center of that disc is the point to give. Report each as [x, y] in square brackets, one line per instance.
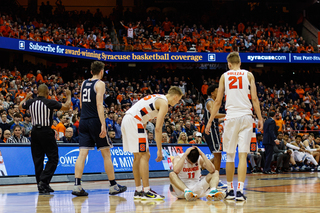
[230, 157]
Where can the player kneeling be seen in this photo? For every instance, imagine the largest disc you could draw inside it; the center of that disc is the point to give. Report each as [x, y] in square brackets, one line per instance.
[185, 178]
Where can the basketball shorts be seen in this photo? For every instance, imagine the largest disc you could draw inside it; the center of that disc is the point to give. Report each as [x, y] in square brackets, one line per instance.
[134, 135]
[201, 188]
[89, 130]
[213, 140]
[237, 132]
[299, 156]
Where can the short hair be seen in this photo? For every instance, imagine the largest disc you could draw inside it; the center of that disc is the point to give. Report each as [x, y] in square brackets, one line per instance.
[16, 126]
[174, 90]
[299, 136]
[60, 117]
[212, 88]
[96, 67]
[193, 156]
[234, 58]
[17, 115]
[271, 114]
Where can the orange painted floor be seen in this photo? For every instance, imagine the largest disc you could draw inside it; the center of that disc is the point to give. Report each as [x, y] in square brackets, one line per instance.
[299, 192]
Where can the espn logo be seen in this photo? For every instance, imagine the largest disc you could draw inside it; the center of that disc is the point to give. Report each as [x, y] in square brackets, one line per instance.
[211, 57]
[21, 45]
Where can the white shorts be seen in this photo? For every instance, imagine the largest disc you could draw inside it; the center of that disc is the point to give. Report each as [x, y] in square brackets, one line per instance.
[201, 188]
[134, 135]
[299, 156]
[237, 131]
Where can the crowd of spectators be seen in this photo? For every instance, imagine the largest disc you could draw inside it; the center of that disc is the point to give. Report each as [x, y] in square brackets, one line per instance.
[92, 31]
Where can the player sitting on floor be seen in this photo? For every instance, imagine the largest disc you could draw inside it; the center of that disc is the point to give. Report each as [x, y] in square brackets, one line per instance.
[185, 179]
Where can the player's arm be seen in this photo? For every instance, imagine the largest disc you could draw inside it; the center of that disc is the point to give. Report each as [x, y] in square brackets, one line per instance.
[205, 163]
[178, 162]
[210, 106]
[216, 105]
[66, 106]
[100, 88]
[255, 100]
[162, 106]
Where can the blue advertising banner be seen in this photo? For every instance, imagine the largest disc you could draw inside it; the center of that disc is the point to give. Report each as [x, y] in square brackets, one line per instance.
[188, 57]
[17, 160]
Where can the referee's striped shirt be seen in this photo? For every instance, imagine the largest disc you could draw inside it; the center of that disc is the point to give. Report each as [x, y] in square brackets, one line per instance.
[41, 110]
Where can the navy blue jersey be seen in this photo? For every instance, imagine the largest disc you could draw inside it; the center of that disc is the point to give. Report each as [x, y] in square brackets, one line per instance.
[215, 123]
[89, 100]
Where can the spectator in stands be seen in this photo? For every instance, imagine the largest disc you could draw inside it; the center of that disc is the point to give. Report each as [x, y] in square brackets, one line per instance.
[27, 123]
[1, 141]
[4, 124]
[151, 138]
[190, 129]
[69, 138]
[197, 139]
[16, 121]
[17, 136]
[60, 128]
[165, 138]
[6, 135]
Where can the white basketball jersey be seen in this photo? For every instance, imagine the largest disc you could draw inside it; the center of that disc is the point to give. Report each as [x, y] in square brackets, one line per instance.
[130, 33]
[190, 173]
[237, 93]
[145, 109]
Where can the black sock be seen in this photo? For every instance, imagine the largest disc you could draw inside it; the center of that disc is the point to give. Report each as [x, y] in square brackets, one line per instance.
[295, 165]
[77, 181]
[113, 182]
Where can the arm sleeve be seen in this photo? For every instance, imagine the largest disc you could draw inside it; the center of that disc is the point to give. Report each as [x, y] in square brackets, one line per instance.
[52, 104]
[311, 150]
[292, 146]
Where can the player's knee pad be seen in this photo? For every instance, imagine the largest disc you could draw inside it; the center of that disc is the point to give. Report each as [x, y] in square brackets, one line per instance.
[230, 157]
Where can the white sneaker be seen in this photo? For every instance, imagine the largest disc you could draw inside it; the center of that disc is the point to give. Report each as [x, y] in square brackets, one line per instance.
[190, 196]
[318, 169]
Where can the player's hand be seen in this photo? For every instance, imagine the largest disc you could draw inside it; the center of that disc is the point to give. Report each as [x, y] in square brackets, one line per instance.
[189, 150]
[68, 92]
[159, 155]
[260, 125]
[103, 132]
[208, 127]
[200, 152]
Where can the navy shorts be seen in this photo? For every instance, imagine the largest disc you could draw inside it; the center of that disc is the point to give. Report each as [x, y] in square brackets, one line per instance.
[213, 140]
[89, 130]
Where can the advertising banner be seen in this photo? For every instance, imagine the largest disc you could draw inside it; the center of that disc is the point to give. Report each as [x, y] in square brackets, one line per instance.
[17, 160]
[185, 57]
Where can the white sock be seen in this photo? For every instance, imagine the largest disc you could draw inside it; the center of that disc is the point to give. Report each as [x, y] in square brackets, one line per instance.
[240, 186]
[146, 189]
[139, 188]
[213, 189]
[230, 186]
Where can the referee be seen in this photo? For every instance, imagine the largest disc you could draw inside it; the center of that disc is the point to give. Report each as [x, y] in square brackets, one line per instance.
[42, 136]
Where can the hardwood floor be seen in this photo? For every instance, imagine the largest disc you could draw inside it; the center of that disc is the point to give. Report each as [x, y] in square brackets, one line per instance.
[288, 193]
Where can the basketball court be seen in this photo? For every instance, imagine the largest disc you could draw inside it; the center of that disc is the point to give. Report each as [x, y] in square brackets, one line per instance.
[294, 192]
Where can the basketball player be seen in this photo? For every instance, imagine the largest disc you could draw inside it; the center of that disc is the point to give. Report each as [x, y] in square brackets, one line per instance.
[213, 139]
[238, 86]
[92, 129]
[185, 179]
[135, 136]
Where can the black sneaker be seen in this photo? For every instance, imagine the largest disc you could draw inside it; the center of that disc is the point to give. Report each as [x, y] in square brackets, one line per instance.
[229, 195]
[152, 195]
[137, 195]
[43, 188]
[79, 191]
[116, 189]
[49, 188]
[240, 196]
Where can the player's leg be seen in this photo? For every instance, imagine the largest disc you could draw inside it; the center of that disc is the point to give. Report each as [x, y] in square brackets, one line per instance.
[77, 189]
[243, 148]
[230, 139]
[179, 189]
[213, 194]
[108, 166]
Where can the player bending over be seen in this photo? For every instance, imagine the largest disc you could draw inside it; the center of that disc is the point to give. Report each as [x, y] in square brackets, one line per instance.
[185, 179]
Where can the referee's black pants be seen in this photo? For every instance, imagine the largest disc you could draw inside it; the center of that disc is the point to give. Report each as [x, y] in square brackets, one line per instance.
[43, 142]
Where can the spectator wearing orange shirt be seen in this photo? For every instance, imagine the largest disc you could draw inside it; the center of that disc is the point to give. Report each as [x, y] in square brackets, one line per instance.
[164, 47]
[60, 128]
[147, 47]
[241, 27]
[21, 94]
[167, 25]
[173, 48]
[310, 49]
[279, 122]
[204, 88]
[301, 49]
[39, 76]
[300, 92]
[5, 30]
[173, 35]
[80, 30]
[183, 47]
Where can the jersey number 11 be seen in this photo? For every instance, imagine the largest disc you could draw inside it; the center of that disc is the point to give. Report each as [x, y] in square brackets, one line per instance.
[191, 175]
